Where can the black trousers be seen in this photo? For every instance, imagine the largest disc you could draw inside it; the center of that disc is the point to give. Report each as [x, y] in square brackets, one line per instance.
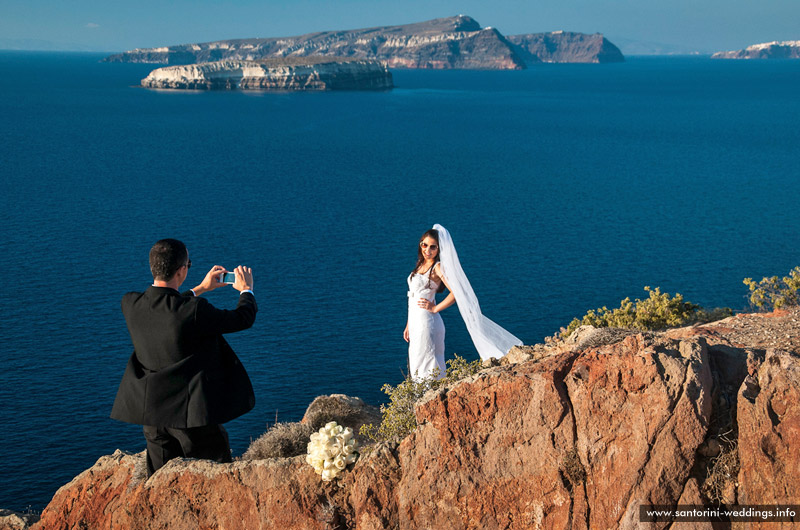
[209, 442]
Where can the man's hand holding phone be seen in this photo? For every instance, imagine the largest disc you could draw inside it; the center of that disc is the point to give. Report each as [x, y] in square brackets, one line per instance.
[244, 278]
[241, 278]
[211, 281]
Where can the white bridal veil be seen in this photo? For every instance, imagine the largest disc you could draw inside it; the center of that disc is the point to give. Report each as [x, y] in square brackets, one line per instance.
[490, 339]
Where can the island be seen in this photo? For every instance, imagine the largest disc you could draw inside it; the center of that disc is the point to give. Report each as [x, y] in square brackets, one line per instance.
[565, 47]
[288, 73]
[766, 50]
[445, 43]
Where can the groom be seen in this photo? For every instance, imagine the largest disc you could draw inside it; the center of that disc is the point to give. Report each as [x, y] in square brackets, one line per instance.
[183, 380]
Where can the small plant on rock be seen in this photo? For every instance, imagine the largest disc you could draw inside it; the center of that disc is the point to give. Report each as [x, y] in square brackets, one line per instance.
[398, 418]
[573, 468]
[774, 293]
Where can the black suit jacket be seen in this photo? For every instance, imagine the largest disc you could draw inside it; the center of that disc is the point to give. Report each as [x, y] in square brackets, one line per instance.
[183, 373]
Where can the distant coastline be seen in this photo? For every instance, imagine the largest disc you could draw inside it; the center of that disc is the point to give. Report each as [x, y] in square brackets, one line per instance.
[764, 50]
[446, 43]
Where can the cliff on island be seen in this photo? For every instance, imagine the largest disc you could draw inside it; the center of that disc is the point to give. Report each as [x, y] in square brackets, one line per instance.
[444, 43]
[293, 73]
[571, 434]
[565, 47]
[766, 50]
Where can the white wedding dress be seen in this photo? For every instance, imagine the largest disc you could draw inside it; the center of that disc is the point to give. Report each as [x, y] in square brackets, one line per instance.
[425, 329]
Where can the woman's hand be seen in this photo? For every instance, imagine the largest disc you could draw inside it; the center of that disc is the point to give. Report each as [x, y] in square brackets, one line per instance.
[427, 305]
[405, 333]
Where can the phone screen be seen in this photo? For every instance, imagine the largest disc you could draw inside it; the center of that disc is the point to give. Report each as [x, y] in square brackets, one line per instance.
[228, 277]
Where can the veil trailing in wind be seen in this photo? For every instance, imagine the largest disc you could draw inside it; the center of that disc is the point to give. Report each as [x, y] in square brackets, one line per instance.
[490, 339]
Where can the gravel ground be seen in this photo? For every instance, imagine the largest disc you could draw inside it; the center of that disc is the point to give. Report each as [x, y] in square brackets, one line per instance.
[779, 329]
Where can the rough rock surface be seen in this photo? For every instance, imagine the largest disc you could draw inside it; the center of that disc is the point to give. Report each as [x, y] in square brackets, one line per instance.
[345, 410]
[454, 42]
[316, 74]
[489, 452]
[766, 50]
[769, 433]
[16, 521]
[564, 437]
[641, 411]
[565, 47]
[779, 329]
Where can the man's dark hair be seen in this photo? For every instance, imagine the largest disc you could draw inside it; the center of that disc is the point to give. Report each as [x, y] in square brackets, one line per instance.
[166, 257]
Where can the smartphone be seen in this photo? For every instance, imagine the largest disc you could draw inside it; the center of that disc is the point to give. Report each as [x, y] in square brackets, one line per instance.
[227, 277]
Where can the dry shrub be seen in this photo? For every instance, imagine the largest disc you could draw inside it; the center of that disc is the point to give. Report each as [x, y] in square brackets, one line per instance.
[573, 468]
[723, 473]
[283, 440]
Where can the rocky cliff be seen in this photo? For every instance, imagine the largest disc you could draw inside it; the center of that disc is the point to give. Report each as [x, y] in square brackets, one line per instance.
[766, 50]
[444, 43]
[274, 74]
[573, 434]
[565, 47]
[455, 42]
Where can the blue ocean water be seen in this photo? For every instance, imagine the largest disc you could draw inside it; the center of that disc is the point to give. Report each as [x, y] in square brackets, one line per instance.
[565, 187]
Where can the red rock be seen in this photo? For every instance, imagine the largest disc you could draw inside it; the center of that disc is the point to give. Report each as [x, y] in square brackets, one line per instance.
[769, 434]
[279, 493]
[691, 496]
[641, 412]
[577, 439]
[489, 452]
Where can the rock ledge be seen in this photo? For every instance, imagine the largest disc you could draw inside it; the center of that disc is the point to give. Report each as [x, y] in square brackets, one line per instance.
[577, 435]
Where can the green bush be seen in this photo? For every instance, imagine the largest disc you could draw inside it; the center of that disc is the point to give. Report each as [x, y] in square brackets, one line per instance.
[398, 418]
[774, 293]
[658, 311]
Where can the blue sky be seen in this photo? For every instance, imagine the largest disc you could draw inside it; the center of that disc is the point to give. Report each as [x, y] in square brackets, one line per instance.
[111, 25]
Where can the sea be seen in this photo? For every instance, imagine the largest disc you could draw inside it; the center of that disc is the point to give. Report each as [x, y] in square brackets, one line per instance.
[565, 187]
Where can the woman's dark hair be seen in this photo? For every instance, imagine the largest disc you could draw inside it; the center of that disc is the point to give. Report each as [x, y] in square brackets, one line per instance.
[166, 257]
[421, 259]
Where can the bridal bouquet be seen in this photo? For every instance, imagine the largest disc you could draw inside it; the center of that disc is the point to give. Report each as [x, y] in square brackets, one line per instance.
[331, 449]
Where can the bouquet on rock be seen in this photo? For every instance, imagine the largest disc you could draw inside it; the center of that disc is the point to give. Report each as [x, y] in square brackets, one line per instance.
[331, 450]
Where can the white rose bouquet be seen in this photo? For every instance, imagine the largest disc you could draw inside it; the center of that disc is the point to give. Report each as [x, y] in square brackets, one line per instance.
[331, 450]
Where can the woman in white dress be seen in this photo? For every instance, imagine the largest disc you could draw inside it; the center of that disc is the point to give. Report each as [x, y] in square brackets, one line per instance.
[424, 329]
[437, 267]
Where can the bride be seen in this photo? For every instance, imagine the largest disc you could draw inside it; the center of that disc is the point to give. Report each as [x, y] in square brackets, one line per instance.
[438, 267]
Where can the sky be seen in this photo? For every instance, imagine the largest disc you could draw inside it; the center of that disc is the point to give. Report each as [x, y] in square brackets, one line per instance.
[703, 26]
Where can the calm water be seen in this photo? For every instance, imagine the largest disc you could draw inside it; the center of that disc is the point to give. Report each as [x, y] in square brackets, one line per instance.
[565, 187]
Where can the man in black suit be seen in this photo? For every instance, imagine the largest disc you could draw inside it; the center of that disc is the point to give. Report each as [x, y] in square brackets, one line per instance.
[183, 380]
